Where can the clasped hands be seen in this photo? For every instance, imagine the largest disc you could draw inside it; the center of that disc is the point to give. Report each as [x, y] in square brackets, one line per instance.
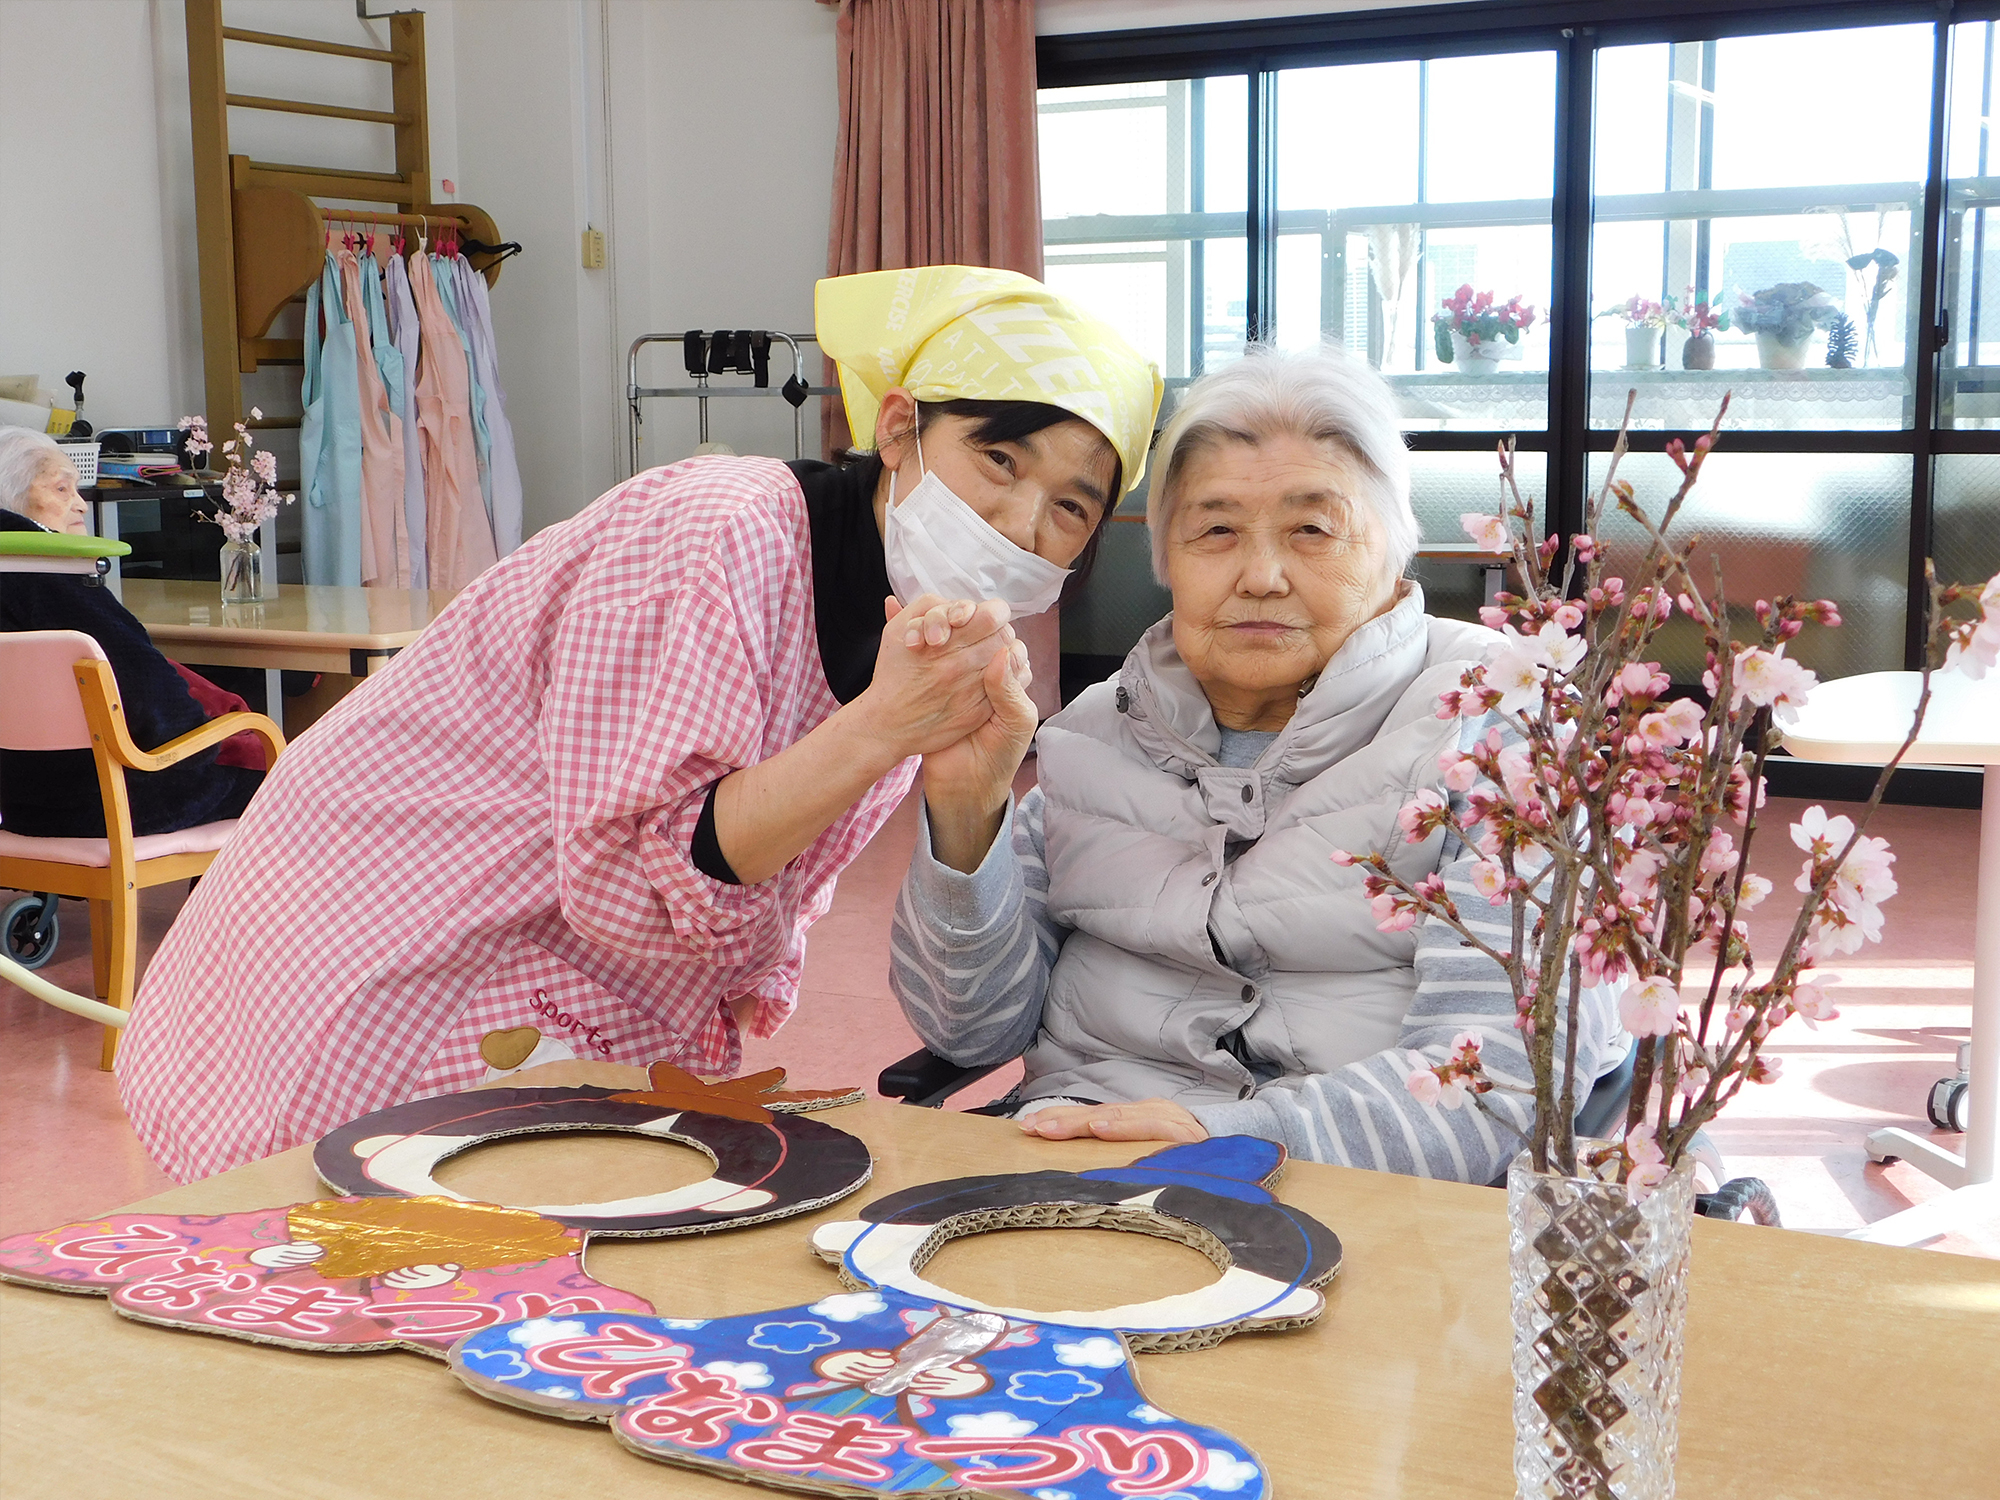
[941, 647]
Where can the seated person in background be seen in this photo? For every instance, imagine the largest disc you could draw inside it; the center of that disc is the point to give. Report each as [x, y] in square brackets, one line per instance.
[54, 793]
[1158, 925]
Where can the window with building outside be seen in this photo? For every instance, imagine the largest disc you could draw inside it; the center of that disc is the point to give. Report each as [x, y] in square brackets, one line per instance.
[1756, 205]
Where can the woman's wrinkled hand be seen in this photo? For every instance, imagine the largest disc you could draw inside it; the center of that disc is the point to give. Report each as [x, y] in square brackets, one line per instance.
[1147, 1120]
[930, 684]
[967, 784]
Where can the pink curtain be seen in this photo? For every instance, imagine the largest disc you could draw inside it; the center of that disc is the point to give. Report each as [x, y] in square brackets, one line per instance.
[936, 166]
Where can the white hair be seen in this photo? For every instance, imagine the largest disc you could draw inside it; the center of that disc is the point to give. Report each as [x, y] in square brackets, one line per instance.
[1324, 395]
[23, 456]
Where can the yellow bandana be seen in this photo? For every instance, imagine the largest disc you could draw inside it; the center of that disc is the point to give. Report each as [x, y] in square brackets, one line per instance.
[949, 333]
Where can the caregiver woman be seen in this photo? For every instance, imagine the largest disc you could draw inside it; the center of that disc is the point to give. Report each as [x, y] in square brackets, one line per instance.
[610, 788]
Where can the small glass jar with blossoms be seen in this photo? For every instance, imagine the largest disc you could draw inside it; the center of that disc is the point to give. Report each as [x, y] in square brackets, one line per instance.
[1614, 823]
[250, 497]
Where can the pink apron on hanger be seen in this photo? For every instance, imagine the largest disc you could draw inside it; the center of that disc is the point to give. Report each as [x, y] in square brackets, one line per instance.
[385, 543]
[460, 541]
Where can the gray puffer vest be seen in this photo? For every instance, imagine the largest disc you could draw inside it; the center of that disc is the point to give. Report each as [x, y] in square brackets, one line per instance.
[1216, 944]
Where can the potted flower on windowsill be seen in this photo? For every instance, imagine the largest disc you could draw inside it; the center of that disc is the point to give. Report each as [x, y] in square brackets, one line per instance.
[1473, 330]
[1701, 323]
[1643, 321]
[1613, 823]
[249, 498]
[1784, 318]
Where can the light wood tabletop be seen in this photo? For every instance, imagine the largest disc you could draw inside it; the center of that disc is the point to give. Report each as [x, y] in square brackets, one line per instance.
[307, 628]
[1815, 1367]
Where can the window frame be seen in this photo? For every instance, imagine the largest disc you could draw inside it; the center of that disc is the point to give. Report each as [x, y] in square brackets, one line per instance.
[1575, 30]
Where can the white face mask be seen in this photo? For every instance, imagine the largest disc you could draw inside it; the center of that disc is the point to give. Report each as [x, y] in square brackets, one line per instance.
[934, 543]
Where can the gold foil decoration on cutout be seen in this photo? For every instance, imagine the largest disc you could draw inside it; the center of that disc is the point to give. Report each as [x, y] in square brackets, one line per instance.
[369, 1236]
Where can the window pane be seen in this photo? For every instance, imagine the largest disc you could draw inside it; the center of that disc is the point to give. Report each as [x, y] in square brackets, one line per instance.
[1823, 107]
[1969, 387]
[1143, 196]
[1448, 191]
[1443, 487]
[1816, 525]
[1731, 184]
[1965, 517]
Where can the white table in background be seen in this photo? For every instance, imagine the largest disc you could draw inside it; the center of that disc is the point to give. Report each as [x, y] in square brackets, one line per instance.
[1864, 720]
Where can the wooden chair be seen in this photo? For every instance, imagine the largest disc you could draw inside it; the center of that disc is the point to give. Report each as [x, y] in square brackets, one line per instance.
[61, 695]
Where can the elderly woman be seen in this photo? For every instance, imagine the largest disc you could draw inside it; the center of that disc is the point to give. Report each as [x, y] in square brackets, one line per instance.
[601, 801]
[54, 793]
[1158, 924]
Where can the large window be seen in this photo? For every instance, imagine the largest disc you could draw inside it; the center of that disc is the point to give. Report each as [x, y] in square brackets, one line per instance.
[1677, 200]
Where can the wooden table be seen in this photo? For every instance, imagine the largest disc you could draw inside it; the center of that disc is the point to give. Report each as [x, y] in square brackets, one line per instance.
[1816, 1367]
[307, 628]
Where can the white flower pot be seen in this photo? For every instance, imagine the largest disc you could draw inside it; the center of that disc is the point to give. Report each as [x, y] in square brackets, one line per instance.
[1642, 348]
[1474, 359]
[1774, 354]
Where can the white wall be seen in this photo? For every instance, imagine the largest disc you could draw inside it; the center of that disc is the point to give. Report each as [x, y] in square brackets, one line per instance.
[697, 133]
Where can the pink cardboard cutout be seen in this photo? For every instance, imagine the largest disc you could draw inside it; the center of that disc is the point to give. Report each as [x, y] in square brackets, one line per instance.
[247, 1276]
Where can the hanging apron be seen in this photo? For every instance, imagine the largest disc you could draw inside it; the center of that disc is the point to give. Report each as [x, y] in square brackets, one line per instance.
[476, 313]
[330, 438]
[445, 269]
[385, 552]
[460, 539]
[398, 361]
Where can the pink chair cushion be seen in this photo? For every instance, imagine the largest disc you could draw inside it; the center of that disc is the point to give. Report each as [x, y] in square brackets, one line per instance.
[41, 709]
[203, 838]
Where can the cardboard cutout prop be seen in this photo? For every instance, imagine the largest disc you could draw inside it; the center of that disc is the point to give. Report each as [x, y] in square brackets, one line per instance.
[865, 1393]
[769, 1163]
[346, 1274]
[899, 1388]
[1214, 1196]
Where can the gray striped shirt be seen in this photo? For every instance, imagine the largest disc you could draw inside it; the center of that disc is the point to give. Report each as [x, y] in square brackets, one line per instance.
[970, 957]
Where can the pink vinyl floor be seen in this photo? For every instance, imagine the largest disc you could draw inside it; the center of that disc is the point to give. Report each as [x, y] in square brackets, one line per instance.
[1904, 1010]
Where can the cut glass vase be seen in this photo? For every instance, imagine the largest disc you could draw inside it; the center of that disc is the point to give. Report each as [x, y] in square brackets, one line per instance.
[1599, 1291]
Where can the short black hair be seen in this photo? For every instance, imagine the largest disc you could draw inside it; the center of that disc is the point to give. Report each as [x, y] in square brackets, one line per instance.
[1009, 422]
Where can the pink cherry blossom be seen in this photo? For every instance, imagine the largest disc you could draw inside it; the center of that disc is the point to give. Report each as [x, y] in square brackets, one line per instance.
[1388, 918]
[1517, 675]
[1556, 648]
[1459, 772]
[1423, 1085]
[1420, 814]
[1686, 716]
[1814, 1005]
[1719, 855]
[1692, 1082]
[1490, 532]
[1755, 889]
[1650, 1007]
[1769, 679]
[1649, 1163]
[1490, 880]
[1569, 615]
[1453, 1092]
[1764, 1069]
[1342, 858]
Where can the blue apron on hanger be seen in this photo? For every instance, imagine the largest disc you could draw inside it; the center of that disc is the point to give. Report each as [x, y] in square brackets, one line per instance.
[330, 438]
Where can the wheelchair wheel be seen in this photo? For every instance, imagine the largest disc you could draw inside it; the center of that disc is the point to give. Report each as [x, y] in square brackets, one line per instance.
[1739, 1198]
[1949, 1105]
[30, 929]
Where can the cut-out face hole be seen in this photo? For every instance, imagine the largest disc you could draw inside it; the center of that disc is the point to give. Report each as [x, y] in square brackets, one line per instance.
[586, 1167]
[1051, 1270]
